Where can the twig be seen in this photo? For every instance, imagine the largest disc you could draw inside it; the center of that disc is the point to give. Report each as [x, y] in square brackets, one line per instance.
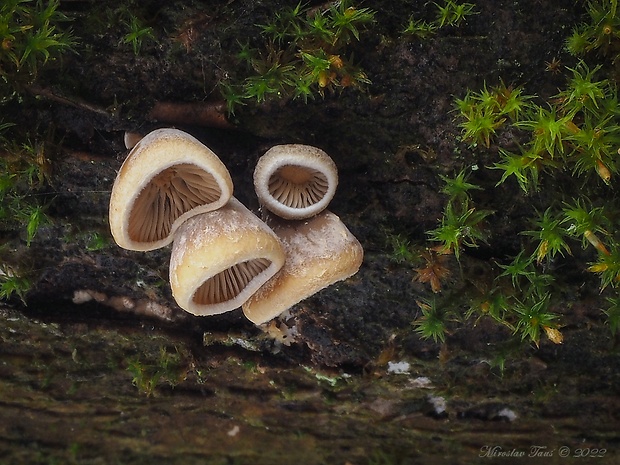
[74, 102]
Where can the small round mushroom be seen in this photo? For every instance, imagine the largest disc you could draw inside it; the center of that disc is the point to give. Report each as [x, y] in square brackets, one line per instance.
[295, 181]
[131, 139]
[320, 251]
[167, 177]
[220, 258]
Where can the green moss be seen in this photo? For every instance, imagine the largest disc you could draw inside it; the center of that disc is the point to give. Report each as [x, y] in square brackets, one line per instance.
[24, 171]
[432, 323]
[564, 149]
[13, 284]
[30, 36]
[453, 13]
[600, 33]
[137, 33]
[420, 28]
[402, 250]
[461, 225]
[304, 55]
[147, 375]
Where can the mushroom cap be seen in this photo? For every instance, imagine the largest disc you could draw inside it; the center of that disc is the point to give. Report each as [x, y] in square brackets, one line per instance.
[130, 139]
[167, 177]
[295, 181]
[220, 258]
[319, 252]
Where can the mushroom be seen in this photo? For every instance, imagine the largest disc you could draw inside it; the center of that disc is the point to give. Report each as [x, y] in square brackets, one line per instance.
[167, 177]
[130, 139]
[220, 258]
[295, 181]
[319, 252]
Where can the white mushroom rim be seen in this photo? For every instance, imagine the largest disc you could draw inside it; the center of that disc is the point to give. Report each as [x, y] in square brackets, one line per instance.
[295, 181]
[167, 177]
[220, 258]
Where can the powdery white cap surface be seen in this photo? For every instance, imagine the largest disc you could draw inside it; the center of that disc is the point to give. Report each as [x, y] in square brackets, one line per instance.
[319, 252]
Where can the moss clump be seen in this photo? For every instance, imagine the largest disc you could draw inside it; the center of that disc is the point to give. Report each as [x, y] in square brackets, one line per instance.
[561, 155]
[304, 55]
[168, 368]
[30, 36]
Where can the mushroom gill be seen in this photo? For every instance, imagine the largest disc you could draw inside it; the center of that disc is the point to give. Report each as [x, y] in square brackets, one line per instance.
[298, 187]
[320, 251]
[228, 284]
[220, 258]
[295, 181]
[167, 177]
[170, 194]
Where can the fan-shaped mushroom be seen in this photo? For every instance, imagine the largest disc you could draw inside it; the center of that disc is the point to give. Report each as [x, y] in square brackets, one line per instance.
[319, 252]
[220, 258]
[295, 181]
[167, 177]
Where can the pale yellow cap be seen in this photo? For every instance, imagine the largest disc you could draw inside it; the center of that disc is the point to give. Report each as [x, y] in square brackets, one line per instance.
[167, 177]
[319, 252]
[220, 258]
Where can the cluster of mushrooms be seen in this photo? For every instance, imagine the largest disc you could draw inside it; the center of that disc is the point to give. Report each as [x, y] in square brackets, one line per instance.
[173, 189]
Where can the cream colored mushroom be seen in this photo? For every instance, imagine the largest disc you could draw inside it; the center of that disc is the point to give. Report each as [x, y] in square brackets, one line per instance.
[130, 139]
[167, 177]
[295, 181]
[220, 258]
[319, 252]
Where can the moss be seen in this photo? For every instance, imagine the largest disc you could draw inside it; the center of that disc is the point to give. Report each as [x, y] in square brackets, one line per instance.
[567, 150]
[30, 35]
[168, 368]
[304, 55]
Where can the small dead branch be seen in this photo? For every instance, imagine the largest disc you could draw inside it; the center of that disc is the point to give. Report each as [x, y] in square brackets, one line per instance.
[74, 102]
[208, 114]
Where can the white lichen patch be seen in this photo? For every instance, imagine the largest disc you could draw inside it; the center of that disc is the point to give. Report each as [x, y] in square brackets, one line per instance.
[421, 382]
[398, 368]
[233, 431]
[439, 404]
[507, 414]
